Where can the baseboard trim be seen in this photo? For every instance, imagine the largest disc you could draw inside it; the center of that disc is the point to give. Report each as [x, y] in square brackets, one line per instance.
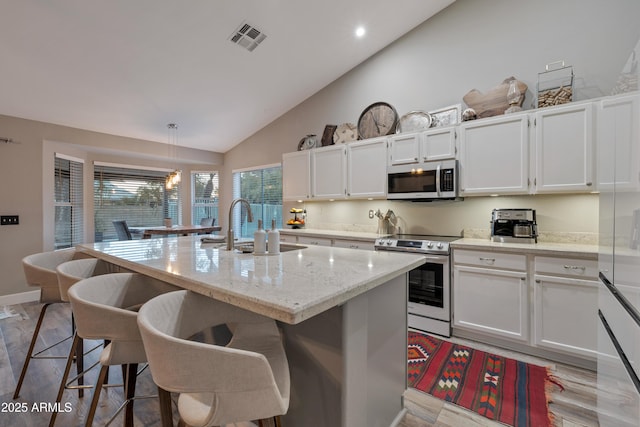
[20, 298]
[396, 421]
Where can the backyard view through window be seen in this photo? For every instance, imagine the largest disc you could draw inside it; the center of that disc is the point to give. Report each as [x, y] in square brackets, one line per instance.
[263, 189]
[205, 189]
[135, 195]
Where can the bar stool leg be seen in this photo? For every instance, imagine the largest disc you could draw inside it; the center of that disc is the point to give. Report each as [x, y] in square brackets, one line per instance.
[65, 375]
[166, 412]
[130, 392]
[27, 359]
[96, 396]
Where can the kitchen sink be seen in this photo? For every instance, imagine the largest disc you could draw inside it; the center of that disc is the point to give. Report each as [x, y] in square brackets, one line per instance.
[247, 247]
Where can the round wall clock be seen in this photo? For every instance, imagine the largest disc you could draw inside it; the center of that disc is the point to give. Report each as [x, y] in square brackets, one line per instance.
[377, 119]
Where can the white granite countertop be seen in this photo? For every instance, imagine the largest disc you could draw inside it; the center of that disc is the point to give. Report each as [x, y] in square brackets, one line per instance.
[290, 287]
[336, 234]
[541, 248]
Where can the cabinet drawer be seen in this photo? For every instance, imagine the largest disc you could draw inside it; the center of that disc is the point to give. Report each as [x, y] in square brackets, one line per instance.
[288, 238]
[318, 241]
[490, 259]
[570, 267]
[353, 244]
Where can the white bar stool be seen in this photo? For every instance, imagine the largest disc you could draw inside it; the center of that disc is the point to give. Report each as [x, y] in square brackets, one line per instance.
[248, 379]
[40, 270]
[69, 273]
[105, 307]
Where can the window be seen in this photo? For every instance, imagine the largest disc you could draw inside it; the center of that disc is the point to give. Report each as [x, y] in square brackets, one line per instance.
[136, 195]
[204, 198]
[68, 203]
[263, 189]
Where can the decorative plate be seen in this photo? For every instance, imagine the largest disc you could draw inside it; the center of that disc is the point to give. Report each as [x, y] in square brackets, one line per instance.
[344, 133]
[308, 142]
[414, 121]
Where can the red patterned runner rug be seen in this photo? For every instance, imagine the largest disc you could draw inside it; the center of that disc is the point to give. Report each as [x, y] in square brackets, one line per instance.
[501, 389]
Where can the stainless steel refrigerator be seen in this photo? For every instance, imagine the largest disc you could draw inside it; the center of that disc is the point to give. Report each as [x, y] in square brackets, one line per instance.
[618, 146]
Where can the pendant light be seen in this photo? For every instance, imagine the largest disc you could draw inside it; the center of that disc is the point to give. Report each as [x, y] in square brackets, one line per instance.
[174, 177]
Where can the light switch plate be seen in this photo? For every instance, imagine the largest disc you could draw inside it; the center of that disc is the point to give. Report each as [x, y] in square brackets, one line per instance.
[9, 220]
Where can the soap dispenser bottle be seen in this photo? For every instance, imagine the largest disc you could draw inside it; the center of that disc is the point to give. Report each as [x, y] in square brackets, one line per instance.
[273, 239]
[259, 240]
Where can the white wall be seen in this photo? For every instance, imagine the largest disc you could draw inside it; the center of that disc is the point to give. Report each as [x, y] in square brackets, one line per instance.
[471, 44]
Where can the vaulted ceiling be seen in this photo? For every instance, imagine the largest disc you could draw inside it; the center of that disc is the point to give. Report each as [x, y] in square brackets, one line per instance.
[130, 67]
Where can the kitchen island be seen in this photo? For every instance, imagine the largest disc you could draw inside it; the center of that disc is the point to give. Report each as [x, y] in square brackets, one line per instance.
[342, 313]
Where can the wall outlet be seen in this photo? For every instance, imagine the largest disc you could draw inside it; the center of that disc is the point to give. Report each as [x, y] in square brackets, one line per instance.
[9, 220]
[371, 214]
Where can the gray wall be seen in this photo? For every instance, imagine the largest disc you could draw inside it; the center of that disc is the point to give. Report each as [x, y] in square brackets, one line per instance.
[26, 171]
[471, 44]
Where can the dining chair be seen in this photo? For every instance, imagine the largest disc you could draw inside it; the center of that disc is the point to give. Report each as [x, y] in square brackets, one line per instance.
[245, 379]
[40, 270]
[207, 222]
[122, 230]
[105, 307]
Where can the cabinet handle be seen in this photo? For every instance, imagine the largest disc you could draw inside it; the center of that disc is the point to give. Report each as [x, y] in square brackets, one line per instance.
[575, 267]
[589, 184]
[415, 158]
[488, 260]
[353, 246]
[523, 278]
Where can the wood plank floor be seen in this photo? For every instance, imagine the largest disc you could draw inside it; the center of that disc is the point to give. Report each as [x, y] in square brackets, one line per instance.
[574, 407]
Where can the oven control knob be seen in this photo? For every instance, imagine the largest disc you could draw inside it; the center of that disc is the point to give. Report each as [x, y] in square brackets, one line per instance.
[389, 242]
[429, 244]
[440, 245]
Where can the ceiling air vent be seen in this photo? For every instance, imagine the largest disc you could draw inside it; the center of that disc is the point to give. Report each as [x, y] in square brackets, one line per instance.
[247, 36]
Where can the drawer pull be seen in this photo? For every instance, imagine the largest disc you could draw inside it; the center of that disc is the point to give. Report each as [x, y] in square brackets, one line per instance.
[488, 260]
[575, 267]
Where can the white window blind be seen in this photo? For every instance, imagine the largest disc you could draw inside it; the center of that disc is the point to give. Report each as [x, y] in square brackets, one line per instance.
[205, 187]
[68, 202]
[262, 187]
[136, 195]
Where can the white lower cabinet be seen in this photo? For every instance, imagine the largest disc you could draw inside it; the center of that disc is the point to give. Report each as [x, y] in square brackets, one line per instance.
[565, 315]
[353, 244]
[490, 300]
[314, 241]
[565, 305]
[554, 314]
[322, 240]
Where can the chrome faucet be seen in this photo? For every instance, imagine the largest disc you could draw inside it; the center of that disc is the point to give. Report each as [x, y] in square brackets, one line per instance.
[230, 234]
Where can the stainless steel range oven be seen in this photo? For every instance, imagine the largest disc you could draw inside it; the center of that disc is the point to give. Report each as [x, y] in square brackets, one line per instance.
[429, 305]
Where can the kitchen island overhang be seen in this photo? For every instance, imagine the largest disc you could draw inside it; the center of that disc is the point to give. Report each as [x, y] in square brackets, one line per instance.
[342, 313]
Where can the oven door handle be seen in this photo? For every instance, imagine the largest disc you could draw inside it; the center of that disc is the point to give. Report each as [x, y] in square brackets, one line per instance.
[440, 259]
[438, 180]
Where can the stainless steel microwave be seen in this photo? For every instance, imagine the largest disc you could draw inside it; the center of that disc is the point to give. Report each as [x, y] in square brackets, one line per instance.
[423, 181]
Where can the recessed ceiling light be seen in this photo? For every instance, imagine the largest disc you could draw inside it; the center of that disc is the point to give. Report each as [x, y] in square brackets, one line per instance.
[360, 31]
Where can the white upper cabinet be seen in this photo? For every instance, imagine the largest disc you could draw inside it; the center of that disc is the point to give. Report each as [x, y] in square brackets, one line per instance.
[296, 176]
[494, 156]
[617, 121]
[404, 149]
[431, 145]
[329, 172]
[367, 168]
[564, 148]
[438, 144]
